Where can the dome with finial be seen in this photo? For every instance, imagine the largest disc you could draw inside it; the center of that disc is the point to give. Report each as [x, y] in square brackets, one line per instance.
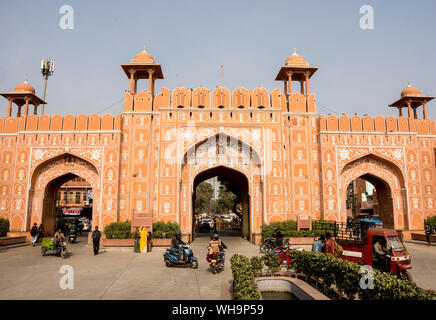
[24, 87]
[143, 58]
[410, 92]
[296, 60]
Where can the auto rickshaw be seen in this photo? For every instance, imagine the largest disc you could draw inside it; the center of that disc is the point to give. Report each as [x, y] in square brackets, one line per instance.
[49, 246]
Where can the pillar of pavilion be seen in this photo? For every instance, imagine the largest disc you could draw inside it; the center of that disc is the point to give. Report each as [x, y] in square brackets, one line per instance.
[411, 98]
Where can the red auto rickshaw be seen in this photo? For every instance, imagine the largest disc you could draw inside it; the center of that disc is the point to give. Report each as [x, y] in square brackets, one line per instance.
[358, 239]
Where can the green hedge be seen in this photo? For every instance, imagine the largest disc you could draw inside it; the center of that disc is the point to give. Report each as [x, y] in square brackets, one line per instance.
[346, 277]
[165, 230]
[288, 228]
[118, 230]
[431, 221]
[244, 286]
[4, 227]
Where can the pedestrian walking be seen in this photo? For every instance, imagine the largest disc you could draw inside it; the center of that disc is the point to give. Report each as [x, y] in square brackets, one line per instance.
[96, 235]
[428, 234]
[214, 224]
[34, 234]
[40, 232]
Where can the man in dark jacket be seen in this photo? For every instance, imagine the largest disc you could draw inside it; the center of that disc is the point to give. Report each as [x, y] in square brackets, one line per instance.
[34, 234]
[40, 232]
[96, 235]
[428, 234]
[176, 245]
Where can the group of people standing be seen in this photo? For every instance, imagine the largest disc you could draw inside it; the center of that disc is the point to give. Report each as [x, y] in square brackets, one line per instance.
[37, 233]
[142, 240]
[326, 244]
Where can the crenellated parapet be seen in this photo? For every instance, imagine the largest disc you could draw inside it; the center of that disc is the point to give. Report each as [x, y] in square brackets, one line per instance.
[58, 123]
[219, 98]
[378, 124]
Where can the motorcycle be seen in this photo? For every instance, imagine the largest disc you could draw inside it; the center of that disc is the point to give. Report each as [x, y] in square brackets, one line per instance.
[216, 261]
[48, 246]
[72, 237]
[171, 259]
[270, 244]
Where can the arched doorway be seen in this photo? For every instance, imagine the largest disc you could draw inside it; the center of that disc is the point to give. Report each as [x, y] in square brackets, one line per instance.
[370, 195]
[238, 180]
[47, 178]
[389, 185]
[233, 158]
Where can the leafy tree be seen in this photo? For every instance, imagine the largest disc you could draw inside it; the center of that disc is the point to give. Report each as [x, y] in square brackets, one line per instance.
[234, 188]
[203, 196]
[226, 199]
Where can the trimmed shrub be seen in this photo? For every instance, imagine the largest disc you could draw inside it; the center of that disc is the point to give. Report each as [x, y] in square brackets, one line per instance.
[118, 230]
[165, 230]
[244, 286]
[4, 227]
[256, 264]
[346, 276]
[271, 261]
[430, 221]
[288, 228]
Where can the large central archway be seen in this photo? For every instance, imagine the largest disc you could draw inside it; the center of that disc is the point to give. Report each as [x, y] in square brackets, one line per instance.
[238, 179]
[225, 155]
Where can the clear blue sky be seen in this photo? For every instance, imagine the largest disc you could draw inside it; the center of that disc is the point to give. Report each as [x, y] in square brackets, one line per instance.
[360, 71]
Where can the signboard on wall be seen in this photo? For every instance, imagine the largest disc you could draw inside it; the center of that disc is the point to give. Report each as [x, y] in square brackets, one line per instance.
[142, 219]
[71, 211]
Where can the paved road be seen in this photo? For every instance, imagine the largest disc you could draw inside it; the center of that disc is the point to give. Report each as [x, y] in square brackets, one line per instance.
[25, 274]
[423, 264]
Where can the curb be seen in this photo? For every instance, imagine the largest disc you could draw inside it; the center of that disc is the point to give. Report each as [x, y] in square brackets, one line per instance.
[420, 242]
[12, 246]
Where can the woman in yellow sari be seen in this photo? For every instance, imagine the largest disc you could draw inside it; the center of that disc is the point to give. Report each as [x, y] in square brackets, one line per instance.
[143, 241]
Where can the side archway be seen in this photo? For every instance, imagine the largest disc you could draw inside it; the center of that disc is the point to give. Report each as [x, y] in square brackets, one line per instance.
[389, 183]
[46, 181]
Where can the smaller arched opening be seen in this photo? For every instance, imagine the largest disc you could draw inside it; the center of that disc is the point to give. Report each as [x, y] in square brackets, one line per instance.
[369, 195]
[371, 184]
[67, 199]
[63, 187]
[220, 203]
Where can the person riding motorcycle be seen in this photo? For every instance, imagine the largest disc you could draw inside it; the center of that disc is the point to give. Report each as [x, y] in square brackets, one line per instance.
[215, 245]
[279, 237]
[176, 246]
[58, 237]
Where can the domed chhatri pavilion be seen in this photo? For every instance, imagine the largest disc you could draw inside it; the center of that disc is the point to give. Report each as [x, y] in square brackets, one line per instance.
[288, 161]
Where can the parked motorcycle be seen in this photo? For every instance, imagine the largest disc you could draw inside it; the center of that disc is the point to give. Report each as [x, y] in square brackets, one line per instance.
[216, 261]
[270, 243]
[171, 259]
[49, 246]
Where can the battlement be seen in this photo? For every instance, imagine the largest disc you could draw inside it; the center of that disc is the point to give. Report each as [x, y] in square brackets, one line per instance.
[219, 98]
[377, 124]
[34, 123]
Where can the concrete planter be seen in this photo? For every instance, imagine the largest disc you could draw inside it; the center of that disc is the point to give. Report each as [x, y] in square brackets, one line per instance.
[422, 237]
[301, 240]
[160, 242]
[299, 288]
[117, 242]
[12, 240]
